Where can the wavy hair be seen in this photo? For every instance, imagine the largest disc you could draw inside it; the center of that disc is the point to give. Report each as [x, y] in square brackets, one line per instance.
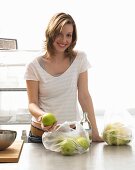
[54, 28]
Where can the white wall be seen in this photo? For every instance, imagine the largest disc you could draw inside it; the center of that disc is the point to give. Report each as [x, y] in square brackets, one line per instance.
[105, 32]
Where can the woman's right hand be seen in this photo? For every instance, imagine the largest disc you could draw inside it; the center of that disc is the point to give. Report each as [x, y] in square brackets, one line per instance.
[49, 128]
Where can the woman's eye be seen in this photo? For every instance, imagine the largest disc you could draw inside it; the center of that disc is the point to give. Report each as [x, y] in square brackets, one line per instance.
[69, 35]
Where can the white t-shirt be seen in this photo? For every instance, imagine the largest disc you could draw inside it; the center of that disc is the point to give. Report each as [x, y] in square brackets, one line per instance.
[58, 94]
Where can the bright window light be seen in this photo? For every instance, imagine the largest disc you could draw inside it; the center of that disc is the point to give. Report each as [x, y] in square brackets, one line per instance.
[105, 32]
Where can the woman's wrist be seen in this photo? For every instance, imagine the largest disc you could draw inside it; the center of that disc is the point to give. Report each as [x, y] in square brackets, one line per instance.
[39, 119]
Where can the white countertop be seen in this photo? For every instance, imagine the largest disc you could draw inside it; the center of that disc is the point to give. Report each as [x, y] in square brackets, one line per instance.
[99, 157]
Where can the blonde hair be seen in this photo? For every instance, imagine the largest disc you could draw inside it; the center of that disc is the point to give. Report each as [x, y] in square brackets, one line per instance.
[54, 28]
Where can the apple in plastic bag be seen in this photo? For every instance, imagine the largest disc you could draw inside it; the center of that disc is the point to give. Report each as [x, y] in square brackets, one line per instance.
[117, 134]
[48, 119]
[83, 142]
[68, 147]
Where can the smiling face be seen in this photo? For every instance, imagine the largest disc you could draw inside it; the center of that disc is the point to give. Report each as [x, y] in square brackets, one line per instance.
[61, 35]
[64, 39]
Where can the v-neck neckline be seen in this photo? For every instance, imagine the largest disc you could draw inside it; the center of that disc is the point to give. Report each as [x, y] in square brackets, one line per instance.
[60, 75]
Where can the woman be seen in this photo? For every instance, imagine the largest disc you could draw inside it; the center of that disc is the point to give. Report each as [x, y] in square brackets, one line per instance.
[57, 80]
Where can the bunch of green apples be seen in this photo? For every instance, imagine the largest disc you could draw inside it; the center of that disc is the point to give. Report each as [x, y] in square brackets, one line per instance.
[69, 146]
[117, 134]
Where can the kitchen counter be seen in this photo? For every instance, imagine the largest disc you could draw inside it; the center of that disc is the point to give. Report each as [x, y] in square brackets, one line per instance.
[99, 157]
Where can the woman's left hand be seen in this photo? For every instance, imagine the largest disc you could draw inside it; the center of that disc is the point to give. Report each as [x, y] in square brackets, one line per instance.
[97, 139]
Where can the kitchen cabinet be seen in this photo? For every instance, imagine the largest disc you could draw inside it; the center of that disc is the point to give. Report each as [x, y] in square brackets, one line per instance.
[13, 96]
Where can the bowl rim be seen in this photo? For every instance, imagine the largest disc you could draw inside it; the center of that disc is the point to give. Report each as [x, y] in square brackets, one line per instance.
[6, 130]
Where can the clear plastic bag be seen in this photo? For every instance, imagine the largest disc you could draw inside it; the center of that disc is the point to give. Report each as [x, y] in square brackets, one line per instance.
[66, 140]
[117, 127]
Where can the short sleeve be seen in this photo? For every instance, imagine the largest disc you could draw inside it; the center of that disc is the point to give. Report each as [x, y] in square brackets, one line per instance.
[84, 63]
[30, 72]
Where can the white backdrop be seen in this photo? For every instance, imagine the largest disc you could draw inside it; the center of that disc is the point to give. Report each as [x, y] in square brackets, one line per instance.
[105, 32]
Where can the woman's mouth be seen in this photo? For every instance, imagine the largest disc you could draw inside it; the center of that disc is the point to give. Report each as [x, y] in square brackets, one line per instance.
[62, 45]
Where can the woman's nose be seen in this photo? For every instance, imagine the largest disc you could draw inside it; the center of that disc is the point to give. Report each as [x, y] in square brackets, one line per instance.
[64, 39]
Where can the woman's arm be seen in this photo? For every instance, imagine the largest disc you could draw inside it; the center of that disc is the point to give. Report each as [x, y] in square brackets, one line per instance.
[32, 91]
[85, 101]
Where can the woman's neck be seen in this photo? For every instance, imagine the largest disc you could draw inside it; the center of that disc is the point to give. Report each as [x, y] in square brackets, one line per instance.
[58, 57]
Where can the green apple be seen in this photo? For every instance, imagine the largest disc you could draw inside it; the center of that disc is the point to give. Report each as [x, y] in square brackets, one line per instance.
[83, 142]
[68, 147]
[48, 119]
